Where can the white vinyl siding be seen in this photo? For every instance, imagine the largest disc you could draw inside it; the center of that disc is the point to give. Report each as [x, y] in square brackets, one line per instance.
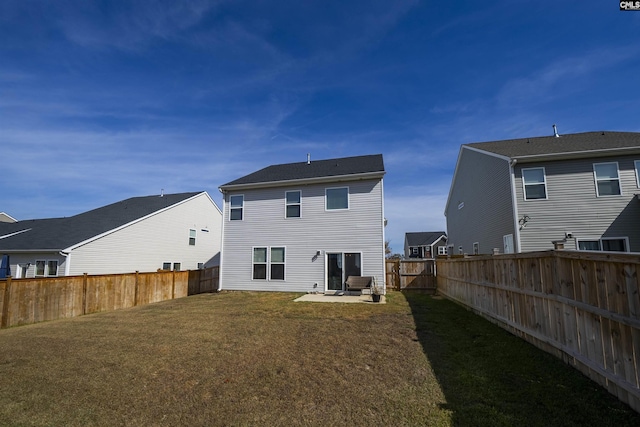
[607, 179]
[160, 238]
[307, 239]
[535, 184]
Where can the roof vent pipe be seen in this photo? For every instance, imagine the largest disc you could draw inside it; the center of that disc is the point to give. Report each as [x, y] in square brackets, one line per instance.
[162, 192]
[308, 158]
[555, 131]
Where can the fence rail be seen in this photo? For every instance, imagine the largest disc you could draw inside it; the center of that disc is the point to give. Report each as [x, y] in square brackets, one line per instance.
[581, 307]
[25, 301]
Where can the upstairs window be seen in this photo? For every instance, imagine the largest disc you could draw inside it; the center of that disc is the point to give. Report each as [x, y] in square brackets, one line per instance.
[535, 185]
[292, 204]
[637, 165]
[607, 179]
[236, 206]
[192, 237]
[337, 198]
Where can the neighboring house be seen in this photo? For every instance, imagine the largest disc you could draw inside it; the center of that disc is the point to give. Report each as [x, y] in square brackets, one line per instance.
[304, 227]
[577, 191]
[426, 244]
[170, 231]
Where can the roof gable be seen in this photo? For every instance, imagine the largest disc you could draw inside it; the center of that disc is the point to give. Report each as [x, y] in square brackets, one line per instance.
[340, 167]
[61, 233]
[425, 238]
[569, 145]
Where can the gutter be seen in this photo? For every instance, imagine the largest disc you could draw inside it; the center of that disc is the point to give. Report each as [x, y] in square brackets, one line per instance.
[302, 181]
[577, 154]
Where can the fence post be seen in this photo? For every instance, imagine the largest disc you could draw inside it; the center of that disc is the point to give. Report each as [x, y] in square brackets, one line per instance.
[5, 303]
[173, 284]
[135, 296]
[84, 294]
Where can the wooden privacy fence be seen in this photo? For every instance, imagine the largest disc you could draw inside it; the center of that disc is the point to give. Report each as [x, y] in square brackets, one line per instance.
[582, 307]
[25, 301]
[411, 274]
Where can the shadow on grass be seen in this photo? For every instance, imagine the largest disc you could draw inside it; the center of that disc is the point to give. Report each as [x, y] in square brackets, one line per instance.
[493, 378]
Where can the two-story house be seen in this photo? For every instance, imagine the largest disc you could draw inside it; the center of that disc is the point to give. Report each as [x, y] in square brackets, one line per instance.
[304, 227]
[576, 191]
[425, 244]
[168, 231]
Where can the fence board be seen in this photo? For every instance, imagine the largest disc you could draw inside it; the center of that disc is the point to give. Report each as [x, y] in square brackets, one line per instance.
[25, 301]
[582, 307]
[410, 274]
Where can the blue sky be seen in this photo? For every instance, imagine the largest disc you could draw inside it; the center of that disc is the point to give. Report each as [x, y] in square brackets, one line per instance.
[106, 100]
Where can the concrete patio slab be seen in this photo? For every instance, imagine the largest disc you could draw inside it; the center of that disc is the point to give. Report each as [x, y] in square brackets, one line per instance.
[339, 298]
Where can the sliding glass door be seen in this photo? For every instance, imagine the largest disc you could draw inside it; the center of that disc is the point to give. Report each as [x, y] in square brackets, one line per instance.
[341, 265]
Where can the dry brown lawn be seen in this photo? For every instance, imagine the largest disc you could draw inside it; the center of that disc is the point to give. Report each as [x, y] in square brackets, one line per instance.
[253, 359]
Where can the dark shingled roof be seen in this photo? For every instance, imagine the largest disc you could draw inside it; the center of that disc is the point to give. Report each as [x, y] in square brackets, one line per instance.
[423, 238]
[570, 143]
[61, 233]
[315, 169]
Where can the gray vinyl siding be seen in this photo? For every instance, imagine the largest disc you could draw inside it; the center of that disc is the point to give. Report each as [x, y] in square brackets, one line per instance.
[483, 183]
[573, 207]
[163, 237]
[358, 229]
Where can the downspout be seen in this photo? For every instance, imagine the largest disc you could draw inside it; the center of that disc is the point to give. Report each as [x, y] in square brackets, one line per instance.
[384, 263]
[67, 262]
[220, 266]
[516, 226]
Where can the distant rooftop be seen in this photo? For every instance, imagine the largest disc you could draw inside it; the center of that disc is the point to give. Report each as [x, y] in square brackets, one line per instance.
[423, 238]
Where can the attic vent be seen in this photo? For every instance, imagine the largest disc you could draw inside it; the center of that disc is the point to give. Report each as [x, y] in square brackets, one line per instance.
[555, 131]
[308, 158]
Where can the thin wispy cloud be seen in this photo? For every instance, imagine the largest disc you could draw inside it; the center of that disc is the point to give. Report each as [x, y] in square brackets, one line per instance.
[561, 77]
